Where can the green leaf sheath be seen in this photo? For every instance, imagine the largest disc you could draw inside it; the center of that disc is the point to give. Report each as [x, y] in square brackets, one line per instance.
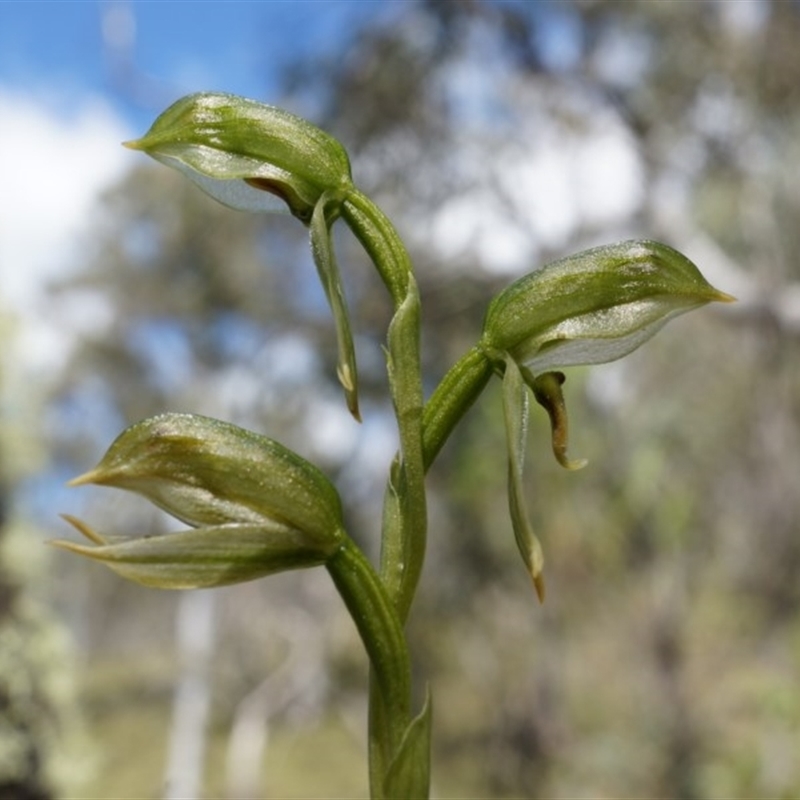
[406, 388]
[409, 773]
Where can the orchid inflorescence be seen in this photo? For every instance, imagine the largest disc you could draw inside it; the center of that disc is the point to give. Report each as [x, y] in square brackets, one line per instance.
[254, 507]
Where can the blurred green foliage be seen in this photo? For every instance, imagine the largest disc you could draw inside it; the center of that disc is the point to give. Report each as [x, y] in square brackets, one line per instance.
[43, 747]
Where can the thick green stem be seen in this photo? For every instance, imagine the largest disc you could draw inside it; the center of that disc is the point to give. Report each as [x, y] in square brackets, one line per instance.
[422, 434]
[405, 514]
[404, 530]
[451, 399]
[406, 523]
[379, 238]
[382, 634]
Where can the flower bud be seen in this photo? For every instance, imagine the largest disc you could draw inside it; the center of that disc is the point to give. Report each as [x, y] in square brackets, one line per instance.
[257, 507]
[247, 154]
[241, 152]
[593, 307]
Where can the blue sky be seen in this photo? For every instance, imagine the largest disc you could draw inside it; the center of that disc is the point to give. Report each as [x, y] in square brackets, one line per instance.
[77, 78]
[61, 50]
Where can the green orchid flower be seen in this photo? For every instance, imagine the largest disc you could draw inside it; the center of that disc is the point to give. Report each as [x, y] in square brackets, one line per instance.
[255, 157]
[241, 151]
[590, 308]
[255, 508]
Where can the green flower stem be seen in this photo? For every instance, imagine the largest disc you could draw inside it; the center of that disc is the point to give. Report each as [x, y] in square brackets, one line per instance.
[404, 530]
[423, 431]
[451, 399]
[380, 239]
[377, 623]
[405, 511]
[382, 634]
[405, 523]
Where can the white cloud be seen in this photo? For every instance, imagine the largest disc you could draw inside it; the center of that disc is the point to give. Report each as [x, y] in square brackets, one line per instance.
[541, 182]
[534, 186]
[53, 169]
[609, 177]
[473, 223]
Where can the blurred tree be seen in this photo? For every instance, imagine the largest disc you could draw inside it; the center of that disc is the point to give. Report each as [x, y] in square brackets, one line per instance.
[41, 739]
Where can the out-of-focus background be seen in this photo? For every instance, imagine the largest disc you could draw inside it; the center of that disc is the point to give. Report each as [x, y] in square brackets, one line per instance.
[498, 135]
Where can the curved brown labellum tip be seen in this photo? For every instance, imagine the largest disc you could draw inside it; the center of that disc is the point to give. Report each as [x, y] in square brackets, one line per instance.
[548, 394]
